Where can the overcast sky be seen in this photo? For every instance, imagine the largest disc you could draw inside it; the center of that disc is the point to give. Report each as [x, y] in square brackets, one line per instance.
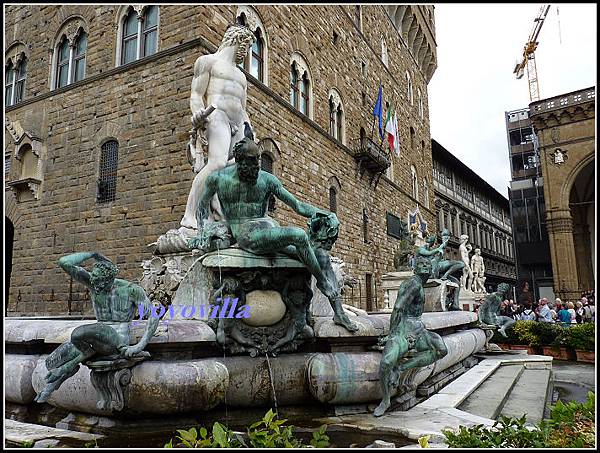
[478, 46]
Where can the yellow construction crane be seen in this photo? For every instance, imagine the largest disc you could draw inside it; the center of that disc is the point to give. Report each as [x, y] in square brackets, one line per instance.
[528, 60]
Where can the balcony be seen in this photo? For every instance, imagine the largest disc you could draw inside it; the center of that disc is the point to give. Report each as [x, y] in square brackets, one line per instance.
[370, 157]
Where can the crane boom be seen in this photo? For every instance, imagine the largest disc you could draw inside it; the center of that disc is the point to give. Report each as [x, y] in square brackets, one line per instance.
[528, 60]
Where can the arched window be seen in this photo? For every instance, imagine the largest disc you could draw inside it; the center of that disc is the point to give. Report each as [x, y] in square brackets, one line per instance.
[304, 94]
[336, 116]
[294, 85]
[333, 199]
[255, 61]
[149, 31]
[257, 57]
[339, 122]
[266, 164]
[384, 53]
[14, 80]
[412, 139]
[426, 192]
[69, 61]
[331, 117]
[421, 111]
[62, 74]
[79, 56]
[129, 44]
[138, 34]
[415, 182]
[409, 89]
[9, 82]
[107, 181]
[300, 85]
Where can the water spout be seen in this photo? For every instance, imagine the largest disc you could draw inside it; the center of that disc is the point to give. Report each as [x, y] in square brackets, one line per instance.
[272, 383]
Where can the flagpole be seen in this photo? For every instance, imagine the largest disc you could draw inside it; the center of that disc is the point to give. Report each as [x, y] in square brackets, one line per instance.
[373, 128]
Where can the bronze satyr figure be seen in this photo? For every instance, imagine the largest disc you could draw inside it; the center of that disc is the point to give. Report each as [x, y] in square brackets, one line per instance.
[489, 311]
[408, 344]
[115, 303]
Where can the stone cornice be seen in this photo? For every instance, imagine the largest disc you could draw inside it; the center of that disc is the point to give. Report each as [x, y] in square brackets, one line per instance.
[568, 114]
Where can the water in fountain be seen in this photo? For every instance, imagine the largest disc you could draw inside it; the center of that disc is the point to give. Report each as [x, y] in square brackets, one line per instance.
[271, 380]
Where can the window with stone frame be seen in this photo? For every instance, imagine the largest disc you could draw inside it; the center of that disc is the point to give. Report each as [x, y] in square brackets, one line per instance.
[7, 162]
[255, 62]
[14, 81]
[304, 94]
[266, 164]
[365, 226]
[107, 181]
[420, 101]
[426, 192]
[300, 85]
[409, 88]
[70, 59]
[333, 199]
[138, 33]
[294, 85]
[415, 182]
[336, 116]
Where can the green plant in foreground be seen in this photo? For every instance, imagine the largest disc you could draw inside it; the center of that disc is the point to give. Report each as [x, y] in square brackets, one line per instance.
[571, 425]
[266, 433]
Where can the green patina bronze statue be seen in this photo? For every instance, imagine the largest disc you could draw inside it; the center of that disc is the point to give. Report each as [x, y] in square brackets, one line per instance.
[408, 344]
[440, 267]
[115, 302]
[243, 191]
[489, 311]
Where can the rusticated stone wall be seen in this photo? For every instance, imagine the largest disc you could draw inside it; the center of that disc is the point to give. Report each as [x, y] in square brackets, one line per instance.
[145, 106]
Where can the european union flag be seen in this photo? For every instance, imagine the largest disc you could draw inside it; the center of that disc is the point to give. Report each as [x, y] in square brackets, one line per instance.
[378, 110]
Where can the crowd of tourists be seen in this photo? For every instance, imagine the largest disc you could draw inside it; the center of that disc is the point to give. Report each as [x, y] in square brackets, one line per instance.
[563, 312]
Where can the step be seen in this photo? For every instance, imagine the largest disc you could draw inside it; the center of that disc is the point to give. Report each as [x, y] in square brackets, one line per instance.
[529, 395]
[487, 399]
[19, 434]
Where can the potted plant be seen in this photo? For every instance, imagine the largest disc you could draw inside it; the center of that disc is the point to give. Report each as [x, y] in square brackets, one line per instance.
[582, 339]
[558, 346]
[528, 339]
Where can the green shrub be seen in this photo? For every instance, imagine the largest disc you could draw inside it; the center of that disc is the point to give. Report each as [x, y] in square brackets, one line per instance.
[506, 432]
[266, 433]
[511, 337]
[546, 333]
[581, 336]
[526, 334]
[571, 425]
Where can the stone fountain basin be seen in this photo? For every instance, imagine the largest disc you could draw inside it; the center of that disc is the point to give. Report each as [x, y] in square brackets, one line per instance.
[188, 373]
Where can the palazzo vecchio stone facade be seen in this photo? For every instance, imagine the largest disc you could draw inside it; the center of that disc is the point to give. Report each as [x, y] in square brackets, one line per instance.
[80, 77]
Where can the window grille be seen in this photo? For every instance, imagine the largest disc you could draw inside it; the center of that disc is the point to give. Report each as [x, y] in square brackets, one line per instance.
[107, 183]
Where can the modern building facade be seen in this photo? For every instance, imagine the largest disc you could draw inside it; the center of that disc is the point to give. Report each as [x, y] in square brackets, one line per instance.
[565, 127]
[466, 204]
[527, 206]
[98, 118]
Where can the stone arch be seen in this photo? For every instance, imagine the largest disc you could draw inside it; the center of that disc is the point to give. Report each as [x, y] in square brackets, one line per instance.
[15, 53]
[271, 148]
[11, 209]
[334, 188]
[571, 178]
[66, 12]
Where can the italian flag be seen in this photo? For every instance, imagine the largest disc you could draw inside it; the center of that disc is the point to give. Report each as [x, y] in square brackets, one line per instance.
[391, 127]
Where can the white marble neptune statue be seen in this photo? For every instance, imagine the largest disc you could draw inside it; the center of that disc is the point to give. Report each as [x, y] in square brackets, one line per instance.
[218, 104]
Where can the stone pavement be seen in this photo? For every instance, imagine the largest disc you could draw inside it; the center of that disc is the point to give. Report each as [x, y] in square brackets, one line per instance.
[18, 434]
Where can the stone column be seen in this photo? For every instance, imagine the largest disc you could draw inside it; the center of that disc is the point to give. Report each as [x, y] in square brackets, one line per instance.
[562, 251]
[581, 242]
